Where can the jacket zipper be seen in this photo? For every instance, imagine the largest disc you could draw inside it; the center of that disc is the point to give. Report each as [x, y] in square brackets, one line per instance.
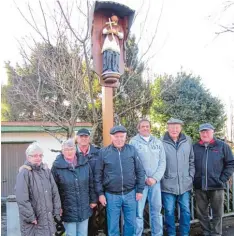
[178, 171]
[176, 148]
[121, 168]
[206, 187]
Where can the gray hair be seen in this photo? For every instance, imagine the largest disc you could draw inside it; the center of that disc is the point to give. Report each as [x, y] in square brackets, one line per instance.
[33, 148]
[68, 143]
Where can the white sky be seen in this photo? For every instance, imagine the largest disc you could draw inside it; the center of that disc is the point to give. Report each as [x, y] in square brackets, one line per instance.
[186, 38]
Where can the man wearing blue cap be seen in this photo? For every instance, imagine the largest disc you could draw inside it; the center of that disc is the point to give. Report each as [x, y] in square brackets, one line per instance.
[119, 181]
[87, 151]
[214, 165]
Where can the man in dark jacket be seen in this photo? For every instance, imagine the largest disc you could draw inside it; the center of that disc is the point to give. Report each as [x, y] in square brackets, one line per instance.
[214, 165]
[119, 182]
[87, 151]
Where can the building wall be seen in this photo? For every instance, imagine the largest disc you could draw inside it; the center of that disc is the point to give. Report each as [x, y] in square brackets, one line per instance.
[45, 140]
[12, 157]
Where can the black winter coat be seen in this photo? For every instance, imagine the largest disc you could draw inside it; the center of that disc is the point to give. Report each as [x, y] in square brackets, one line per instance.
[75, 187]
[119, 172]
[214, 165]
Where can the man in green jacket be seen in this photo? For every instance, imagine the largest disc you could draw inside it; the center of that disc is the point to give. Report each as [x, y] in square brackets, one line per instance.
[178, 178]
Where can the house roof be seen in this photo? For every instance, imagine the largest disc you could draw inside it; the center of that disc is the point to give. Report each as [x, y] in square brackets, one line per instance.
[38, 126]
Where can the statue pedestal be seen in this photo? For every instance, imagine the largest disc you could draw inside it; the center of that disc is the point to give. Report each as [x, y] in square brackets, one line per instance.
[110, 77]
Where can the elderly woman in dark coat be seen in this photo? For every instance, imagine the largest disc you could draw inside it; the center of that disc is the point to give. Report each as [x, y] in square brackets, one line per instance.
[37, 195]
[74, 179]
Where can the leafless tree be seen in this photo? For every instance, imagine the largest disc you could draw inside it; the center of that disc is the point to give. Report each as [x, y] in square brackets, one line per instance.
[56, 82]
[228, 5]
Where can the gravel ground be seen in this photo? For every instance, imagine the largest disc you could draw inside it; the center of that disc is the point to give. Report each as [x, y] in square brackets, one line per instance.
[228, 228]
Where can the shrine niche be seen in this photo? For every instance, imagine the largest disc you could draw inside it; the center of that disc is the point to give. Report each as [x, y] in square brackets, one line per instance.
[111, 23]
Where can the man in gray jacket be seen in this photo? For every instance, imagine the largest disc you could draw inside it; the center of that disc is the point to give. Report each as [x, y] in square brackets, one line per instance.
[178, 178]
[152, 156]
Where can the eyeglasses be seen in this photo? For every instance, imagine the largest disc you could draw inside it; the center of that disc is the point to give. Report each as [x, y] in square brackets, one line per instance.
[36, 155]
[69, 149]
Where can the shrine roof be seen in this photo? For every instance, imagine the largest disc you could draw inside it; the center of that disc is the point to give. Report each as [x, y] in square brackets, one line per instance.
[117, 8]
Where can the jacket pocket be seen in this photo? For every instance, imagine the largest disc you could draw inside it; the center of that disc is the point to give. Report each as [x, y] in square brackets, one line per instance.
[218, 165]
[214, 182]
[187, 183]
[169, 184]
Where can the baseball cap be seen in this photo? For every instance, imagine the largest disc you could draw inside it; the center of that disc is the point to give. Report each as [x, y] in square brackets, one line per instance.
[83, 132]
[206, 126]
[175, 121]
[118, 128]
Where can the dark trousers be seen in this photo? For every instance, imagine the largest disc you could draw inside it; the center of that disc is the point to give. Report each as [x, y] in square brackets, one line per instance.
[214, 198]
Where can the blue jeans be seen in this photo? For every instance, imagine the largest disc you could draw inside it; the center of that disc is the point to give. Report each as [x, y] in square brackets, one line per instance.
[169, 203]
[76, 228]
[153, 194]
[114, 205]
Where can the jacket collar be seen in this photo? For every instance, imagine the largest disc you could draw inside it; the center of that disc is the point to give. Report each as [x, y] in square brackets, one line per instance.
[80, 151]
[116, 149]
[212, 143]
[29, 166]
[142, 140]
[167, 138]
[92, 151]
[60, 162]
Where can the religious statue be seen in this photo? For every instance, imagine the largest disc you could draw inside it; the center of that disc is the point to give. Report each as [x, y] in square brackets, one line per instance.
[111, 46]
[111, 22]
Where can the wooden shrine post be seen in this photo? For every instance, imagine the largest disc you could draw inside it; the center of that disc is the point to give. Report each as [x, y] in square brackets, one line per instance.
[107, 113]
[110, 24]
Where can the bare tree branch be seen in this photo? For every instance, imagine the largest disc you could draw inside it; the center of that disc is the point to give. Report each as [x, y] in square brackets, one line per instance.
[46, 28]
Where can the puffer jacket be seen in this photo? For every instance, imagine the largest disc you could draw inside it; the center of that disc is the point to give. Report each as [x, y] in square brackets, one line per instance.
[214, 165]
[38, 199]
[119, 171]
[152, 156]
[75, 185]
[180, 169]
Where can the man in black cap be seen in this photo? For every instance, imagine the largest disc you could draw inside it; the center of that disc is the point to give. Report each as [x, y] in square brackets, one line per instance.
[214, 165]
[119, 181]
[86, 150]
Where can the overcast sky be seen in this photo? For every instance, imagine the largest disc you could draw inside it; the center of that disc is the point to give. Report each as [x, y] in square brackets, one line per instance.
[186, 38]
